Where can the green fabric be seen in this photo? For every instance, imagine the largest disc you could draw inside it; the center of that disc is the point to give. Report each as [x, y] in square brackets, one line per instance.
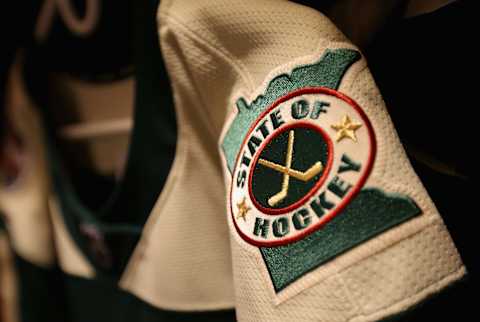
[327, 72]
[368, 214]
[101, 301]
[48, 295]
[41, 293]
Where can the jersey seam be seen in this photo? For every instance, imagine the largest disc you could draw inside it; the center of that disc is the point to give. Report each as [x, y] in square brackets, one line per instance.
[216, 53]
[235, 63]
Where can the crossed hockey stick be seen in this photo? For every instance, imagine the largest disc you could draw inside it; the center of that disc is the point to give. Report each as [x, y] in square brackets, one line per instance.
[289, 172]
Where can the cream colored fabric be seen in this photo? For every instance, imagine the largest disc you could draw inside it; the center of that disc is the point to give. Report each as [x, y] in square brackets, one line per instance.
[36, 227]
[8, 291]
[96, 120]
[217, 51]
[70, 258]
[25, 201]
[93, 101]
[182, 261]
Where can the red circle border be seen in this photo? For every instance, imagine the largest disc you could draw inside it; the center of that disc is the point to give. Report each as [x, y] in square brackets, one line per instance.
[343, 204]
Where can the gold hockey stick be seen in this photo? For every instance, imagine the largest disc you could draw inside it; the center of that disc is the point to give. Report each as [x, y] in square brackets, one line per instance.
[288, 171]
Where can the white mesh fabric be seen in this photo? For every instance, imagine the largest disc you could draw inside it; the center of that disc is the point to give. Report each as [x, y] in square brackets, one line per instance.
[217, 51]
[416, 267]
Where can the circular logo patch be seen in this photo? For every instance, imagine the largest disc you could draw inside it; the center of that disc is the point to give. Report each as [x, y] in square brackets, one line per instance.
[300, 164]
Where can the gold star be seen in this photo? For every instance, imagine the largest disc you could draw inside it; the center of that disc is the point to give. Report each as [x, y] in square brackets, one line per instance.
[243, 209]
[346, 129]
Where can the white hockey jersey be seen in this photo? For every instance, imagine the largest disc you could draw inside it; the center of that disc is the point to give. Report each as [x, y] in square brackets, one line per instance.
[290, 197]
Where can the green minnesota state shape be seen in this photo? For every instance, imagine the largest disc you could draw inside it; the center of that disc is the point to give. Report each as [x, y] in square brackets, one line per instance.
[326, 72]
[369, 214]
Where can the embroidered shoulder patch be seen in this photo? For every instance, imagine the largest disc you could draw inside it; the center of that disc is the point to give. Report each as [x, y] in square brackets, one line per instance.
[302, 162]
[299, 156]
